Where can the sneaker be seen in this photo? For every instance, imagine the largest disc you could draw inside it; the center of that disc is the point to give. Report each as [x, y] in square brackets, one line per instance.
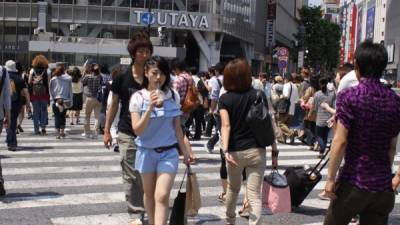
[85, 135]
[2, 190]
[208, 148]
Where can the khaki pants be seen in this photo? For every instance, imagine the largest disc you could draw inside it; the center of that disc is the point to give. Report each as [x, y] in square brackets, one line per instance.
[254, 161]
[133, 186]
[92, 105]
[284, 121]
[373, 208]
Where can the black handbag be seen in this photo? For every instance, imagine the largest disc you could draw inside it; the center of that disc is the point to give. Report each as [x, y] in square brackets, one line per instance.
[178, 209]
[259, 121]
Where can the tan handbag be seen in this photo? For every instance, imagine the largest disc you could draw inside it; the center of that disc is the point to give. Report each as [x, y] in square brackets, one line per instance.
[193, 198]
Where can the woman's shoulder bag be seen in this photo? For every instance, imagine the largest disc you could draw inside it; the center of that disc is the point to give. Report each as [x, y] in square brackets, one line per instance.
[259, 121]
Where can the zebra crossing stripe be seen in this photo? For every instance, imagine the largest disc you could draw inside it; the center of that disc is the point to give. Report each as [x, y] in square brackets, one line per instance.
[55, 170]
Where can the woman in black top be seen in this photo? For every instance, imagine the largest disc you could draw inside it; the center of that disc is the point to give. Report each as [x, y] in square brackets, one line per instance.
[238, 144]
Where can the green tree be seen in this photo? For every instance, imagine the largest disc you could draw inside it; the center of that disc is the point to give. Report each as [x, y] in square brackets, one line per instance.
[321, 38]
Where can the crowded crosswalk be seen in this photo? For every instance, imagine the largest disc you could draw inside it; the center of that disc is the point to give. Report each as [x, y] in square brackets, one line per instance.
[77, 181]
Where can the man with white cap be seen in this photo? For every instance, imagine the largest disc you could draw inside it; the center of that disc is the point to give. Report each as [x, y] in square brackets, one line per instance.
[5, 107]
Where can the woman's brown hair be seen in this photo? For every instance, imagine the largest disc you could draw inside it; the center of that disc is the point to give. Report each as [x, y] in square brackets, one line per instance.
[40, 61]
[237, 75]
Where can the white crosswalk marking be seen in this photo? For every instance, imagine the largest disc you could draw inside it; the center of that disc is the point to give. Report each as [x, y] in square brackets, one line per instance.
[77, 181]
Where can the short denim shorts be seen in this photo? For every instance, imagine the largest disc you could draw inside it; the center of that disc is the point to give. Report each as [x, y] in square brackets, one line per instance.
[150, 161]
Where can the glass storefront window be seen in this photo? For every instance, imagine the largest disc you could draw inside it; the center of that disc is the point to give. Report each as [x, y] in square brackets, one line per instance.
[65, 12]
[10, 11]
[137, 3]
[94, 14]
[94, 2]
[24, 11]
[79, 14]
[166, 4]
[108, 15]
[154, 4]
[205, 6]
[123, 16]
[193, 5]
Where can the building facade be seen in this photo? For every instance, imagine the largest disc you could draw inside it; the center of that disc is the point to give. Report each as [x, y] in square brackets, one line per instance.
[201, 31]
[392, 41]
[330, 9]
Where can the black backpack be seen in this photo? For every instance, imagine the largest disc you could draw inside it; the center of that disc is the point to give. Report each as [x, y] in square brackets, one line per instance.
[259, 121]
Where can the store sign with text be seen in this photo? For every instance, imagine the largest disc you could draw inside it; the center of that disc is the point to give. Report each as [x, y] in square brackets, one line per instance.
[171, 19]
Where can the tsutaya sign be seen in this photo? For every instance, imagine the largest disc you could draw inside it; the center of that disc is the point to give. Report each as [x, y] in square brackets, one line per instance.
[173, 19]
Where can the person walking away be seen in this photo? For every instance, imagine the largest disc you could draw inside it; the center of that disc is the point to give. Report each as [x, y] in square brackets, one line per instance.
[181, 84]
[285, 115]
[23, 98]
[5, 112]
[61, 97]
[322, 128]
[124, 85]
[307, 103]
[114, 125]
[77, 96]
[215, 85]
[366, 135]
[238, 143]
[155, 113]
[38, 83]
[92, 83]
[199, 113]
[18, 89]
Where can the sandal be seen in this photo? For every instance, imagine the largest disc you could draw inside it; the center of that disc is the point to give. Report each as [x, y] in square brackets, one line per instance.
[245, 210]
[221, 197]
[136, 222]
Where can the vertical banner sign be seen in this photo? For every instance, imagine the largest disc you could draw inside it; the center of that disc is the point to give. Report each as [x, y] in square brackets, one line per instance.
[270, 25]
[352, 48]
[370, 23]
[359, 25]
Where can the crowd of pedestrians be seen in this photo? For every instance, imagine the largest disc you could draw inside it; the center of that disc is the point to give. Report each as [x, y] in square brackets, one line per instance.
[146, 113]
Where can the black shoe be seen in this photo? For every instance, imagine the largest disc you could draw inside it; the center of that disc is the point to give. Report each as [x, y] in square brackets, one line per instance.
[43, 131]
[13, 149]
[2, 190]
[19, 128]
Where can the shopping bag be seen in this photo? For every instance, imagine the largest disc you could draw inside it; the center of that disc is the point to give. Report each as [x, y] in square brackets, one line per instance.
[178, 209]
[193, 198]
[276, 193]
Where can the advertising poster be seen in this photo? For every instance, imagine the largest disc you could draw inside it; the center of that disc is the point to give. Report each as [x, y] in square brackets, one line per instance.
[359, 25]
[370, 23]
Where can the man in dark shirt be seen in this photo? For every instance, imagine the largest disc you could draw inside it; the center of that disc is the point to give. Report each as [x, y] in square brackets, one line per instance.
[18, 89]
[123, 87]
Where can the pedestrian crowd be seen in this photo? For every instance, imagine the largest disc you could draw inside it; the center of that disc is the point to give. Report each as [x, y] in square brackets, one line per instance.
[150, 110]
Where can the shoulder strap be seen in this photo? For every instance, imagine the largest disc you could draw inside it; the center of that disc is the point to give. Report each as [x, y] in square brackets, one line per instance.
[173, 93]
[3, 77]
[219, 83]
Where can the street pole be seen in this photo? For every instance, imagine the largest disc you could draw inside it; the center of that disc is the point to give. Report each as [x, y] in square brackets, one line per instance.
[149, 25]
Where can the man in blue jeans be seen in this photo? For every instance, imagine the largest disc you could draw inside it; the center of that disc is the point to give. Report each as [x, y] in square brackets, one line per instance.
[17, 90]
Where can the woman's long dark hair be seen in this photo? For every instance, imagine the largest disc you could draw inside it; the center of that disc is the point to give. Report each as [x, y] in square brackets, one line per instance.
[76, 75]
[162, 64]
[323, 83]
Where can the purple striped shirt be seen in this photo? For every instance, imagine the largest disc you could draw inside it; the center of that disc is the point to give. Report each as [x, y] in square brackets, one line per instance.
[371, 113]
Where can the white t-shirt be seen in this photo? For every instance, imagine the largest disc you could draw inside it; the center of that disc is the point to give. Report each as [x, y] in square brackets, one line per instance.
[215, 87]
[349, 80]
[136, 101]
[294, 98]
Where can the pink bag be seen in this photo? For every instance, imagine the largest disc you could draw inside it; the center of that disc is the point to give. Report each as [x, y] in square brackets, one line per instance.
[276, 198]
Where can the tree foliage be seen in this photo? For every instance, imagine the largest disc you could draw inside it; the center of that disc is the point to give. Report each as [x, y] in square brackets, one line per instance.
[321, 39]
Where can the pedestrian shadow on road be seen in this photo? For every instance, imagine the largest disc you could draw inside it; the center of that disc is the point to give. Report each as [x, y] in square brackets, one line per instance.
[309, 211]
[17, 197]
